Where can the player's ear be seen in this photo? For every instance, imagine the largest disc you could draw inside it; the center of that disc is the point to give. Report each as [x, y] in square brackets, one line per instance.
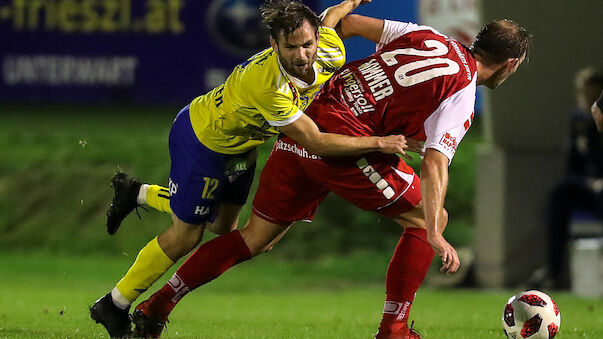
[273, 44]
[511, 63]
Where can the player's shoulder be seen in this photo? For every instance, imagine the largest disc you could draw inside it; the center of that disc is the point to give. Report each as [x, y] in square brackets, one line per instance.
[409, 34]
[329, 36]
[259, 62]
[331, 52]
[261, 72]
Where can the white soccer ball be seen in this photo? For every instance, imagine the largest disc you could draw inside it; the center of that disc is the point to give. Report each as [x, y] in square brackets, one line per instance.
[531, 314]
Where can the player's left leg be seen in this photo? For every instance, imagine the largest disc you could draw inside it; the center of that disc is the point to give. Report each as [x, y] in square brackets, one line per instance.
[125, 195]
[156, 197]
[207, 263]
[130, 193]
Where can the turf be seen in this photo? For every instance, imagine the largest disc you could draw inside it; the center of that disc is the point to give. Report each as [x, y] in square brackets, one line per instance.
[47, 296]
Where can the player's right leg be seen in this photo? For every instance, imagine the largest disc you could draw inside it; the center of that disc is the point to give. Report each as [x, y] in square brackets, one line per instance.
[386, 185]
[406, 271]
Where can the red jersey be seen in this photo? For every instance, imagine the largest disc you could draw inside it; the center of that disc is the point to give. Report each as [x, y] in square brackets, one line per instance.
[419, 83]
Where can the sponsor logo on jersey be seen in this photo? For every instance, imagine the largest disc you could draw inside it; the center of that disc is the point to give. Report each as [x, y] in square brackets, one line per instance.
[449, 142]
[294, 148]
[354, 94]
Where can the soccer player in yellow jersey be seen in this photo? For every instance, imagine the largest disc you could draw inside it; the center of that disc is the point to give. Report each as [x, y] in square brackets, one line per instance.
[212, 141]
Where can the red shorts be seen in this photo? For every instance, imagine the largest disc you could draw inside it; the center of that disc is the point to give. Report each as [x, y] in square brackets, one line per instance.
[294, 182]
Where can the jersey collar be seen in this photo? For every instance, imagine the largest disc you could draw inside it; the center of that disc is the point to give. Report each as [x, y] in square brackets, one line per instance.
[299, 83]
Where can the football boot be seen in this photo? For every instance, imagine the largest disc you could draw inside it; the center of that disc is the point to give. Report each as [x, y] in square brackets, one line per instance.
[125, 194]
[115, 320]
[147, 324]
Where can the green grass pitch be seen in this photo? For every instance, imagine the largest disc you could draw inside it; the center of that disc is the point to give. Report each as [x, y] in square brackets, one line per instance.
[47, 296]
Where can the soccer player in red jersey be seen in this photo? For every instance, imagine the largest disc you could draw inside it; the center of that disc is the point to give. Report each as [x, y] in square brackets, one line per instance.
[421, 84]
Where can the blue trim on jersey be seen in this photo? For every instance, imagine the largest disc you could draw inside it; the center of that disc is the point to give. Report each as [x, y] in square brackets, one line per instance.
[198, 183]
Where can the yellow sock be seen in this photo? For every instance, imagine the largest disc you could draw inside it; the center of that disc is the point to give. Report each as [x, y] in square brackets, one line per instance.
[158, 197]
[151, 263]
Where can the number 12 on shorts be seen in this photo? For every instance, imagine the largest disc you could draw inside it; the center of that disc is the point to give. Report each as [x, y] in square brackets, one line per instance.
[211, 184]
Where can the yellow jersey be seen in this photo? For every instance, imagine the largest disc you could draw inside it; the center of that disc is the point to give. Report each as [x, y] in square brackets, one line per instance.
[258, 96]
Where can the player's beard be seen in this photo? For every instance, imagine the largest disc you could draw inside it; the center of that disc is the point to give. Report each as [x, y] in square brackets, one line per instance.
[300, 72]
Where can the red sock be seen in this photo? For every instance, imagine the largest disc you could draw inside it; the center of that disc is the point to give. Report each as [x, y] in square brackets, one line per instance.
[406, 271]
[205, 264]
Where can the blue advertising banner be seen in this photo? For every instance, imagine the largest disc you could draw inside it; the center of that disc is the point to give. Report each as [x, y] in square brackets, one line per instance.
[158, 51]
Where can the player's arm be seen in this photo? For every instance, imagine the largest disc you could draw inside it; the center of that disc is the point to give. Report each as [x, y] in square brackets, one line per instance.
[444, 130]
[305, 132]
[434, 182]
[331, 16]
[359, 25]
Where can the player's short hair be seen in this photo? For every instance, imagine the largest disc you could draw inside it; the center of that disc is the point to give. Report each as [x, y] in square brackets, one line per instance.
[285, 16]
[502, 39]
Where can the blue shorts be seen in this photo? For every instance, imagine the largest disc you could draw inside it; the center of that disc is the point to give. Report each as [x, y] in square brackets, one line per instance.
[201, 179]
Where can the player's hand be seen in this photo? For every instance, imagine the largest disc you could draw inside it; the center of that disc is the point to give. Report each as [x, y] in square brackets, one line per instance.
[450, 259]
[414, 146]
[392, 144]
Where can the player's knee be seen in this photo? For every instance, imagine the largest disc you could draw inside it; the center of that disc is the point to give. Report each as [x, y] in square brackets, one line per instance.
[180, 238]
[259, 249]
[256, 243]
